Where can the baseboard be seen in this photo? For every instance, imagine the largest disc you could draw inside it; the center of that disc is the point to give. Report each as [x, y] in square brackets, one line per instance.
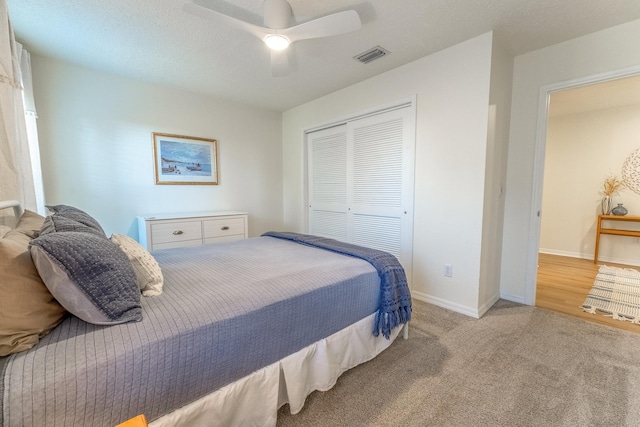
[634, 262]
[601, 259]
[458, 308]
[565, 253]
[486, 306]
[512, 298]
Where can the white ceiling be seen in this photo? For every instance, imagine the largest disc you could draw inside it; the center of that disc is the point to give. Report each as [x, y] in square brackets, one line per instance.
[156, 41]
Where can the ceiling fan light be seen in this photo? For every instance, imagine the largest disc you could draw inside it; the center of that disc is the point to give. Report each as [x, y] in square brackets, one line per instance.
[276, 42]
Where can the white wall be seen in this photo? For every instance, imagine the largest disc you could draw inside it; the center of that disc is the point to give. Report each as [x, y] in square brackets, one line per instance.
[452, 88]
[612, 49]
[97, 153]
[581, 151]
[495, 176]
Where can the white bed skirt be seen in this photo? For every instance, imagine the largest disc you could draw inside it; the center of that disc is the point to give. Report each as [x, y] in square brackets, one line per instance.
[254, 400]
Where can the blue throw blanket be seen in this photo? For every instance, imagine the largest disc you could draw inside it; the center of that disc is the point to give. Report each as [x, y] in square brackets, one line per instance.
[394, 307]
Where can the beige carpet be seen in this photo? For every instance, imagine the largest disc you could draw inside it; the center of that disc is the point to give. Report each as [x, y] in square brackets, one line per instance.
[517, 366]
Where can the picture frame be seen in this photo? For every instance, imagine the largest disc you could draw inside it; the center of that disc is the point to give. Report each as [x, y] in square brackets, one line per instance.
[185, 160]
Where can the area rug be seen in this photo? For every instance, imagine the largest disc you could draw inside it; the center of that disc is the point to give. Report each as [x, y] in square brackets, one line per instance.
[616, 292]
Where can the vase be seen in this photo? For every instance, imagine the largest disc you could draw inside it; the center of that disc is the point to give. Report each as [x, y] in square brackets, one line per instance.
[605, 205]
[619, 210]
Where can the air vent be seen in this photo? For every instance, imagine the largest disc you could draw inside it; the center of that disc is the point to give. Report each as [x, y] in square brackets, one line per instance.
[371, 55]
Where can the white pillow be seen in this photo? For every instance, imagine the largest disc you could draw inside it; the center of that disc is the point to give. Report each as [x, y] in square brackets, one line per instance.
[148, 273]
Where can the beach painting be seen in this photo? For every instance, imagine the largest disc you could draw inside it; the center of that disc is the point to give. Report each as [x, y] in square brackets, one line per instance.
[185, 159]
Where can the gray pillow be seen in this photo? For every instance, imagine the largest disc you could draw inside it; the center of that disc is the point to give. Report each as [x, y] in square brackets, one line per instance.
[60, 224]
[77, 215]
[89, 275]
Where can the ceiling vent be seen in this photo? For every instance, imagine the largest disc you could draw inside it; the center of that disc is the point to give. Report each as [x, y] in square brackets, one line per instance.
[371, 55]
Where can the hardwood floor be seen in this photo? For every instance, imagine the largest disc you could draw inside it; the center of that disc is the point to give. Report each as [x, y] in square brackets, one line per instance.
[563, 284]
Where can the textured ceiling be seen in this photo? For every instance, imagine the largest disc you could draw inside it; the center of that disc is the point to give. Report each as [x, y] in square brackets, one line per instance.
[156, 41]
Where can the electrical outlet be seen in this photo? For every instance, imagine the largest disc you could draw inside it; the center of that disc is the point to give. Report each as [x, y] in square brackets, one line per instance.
[448, 270]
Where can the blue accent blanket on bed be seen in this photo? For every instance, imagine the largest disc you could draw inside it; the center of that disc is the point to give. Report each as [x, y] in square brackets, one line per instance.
[395, 298]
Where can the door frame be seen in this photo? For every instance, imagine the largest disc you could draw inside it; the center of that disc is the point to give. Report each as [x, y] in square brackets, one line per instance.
[538, 167]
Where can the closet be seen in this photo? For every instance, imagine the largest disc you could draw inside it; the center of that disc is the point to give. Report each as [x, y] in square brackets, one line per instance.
[361, 180]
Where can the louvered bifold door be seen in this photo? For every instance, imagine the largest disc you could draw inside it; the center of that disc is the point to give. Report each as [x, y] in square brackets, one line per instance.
[327, 165]
[361, 179]
[381, 187]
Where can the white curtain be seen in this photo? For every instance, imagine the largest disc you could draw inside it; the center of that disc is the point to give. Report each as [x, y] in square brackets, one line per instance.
[32, 130]
[18, 157]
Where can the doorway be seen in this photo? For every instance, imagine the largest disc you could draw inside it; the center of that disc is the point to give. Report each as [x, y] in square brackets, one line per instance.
[590, 129]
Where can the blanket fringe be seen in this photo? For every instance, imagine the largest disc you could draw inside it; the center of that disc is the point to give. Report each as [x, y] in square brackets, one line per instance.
[385, 322]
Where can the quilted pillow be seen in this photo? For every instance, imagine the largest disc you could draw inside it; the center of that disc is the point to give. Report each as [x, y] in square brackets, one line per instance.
[59, 224]
[89, 275]
[28, 311]
[148, 273]
[78, 215]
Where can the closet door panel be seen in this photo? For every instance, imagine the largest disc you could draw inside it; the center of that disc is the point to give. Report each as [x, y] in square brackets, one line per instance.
[377, 163]
[361, 180]
[327, 151]
[330, 224]
[378, 232]
[382, 194]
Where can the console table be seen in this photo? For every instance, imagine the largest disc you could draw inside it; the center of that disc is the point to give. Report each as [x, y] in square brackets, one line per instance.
[614, 231]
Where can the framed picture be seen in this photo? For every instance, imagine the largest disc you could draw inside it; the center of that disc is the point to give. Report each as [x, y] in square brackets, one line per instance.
[185, 159]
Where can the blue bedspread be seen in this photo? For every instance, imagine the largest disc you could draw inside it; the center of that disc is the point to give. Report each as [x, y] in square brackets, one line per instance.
[395, 298]
[227, 310]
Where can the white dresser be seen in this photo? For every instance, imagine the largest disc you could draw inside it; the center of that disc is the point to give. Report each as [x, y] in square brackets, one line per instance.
[174, 231]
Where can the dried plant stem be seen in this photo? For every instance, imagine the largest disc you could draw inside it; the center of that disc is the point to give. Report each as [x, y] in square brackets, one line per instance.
[612, 185]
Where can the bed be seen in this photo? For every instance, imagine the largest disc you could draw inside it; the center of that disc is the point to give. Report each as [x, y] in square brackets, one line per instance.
[238, 330]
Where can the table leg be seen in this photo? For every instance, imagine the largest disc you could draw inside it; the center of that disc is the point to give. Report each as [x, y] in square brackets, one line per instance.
[595, 256]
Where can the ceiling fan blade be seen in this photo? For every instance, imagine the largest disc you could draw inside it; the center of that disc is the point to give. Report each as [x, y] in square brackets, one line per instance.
[279, 63]
[330, 25]
[223, 19]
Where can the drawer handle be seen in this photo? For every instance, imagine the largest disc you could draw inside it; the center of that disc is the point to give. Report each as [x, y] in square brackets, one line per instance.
[178, 232]
[225, 228]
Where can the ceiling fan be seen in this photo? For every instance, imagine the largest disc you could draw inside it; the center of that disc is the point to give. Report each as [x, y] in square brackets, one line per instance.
[277, 34]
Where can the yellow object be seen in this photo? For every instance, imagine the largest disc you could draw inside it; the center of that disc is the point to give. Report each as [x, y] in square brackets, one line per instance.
[139, 421]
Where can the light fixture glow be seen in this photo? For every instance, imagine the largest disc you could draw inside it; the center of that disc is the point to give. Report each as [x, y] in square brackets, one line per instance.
[276, 42]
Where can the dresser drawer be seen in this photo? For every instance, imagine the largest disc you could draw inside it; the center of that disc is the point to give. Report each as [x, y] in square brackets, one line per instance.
[179, 230]
[177, 244]
[175, 231]
[223, 227]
